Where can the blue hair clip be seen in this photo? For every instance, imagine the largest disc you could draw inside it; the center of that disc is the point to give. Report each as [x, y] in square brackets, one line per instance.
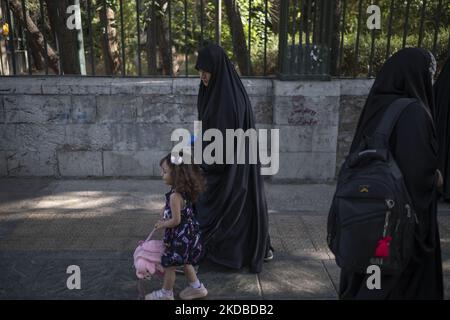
[193, 139]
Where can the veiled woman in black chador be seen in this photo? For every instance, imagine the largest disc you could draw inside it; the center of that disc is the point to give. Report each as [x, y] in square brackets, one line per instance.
[442, 97]
[233, 211]
[408, 73]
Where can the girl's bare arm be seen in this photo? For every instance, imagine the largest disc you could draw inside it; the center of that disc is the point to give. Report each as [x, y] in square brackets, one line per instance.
[176, 202]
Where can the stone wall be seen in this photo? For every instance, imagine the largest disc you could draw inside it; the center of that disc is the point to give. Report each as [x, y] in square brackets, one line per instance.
[353, 97]
[306, 113]
[121, 127]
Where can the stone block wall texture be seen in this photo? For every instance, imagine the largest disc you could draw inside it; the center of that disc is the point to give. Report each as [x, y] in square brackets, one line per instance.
[121, 127]
[353, 97]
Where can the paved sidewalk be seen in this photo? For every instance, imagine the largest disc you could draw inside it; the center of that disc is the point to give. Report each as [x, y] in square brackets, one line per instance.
[47, 225]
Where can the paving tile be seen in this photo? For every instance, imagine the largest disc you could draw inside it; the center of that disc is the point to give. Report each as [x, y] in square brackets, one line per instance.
[293, 278]
[333, 271]
[17, 275]
[51, 283]
[316, 226]
[224, 283]
[46, 225]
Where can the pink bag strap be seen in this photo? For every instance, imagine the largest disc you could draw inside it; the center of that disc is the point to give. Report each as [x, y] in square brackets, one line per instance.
[150, 235]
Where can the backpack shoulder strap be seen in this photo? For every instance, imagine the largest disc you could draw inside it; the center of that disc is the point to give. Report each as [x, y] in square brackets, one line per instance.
[391, 116]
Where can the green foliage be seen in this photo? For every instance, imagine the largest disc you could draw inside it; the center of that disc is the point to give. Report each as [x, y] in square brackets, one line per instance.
[186, 38]
[352, 67]
[360, 66]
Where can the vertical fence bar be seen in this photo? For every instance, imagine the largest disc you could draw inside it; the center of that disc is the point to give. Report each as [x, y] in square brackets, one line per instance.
[58, 48]
[105, 36]
[341, 45]
[389, 35]
[307, 37]
[91, 39]
[321, 41]
[294, 31]
[358, 34]
[11, 38]
[265, 37]
[151, 47]
[1, 62]
[282, 40]
[185, 38]
[436, 26]
[308, 18]
[405, 27]
[422, 19]
[249, 36]
[323, 14]
[300, 49]
[19, 32]
[122, 38]
[314, 23]
[1, 51]
[44, 33]
[80, 41]
[138, 37]
[201, 23]
[26, 34]
[170, 37]
[330, 29]
[218, 21]
[372, 53]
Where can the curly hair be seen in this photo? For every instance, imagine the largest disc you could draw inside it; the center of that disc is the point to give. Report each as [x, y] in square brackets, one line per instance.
[187, 178]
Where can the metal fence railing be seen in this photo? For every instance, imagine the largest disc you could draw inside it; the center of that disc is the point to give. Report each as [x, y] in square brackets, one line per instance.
[136, 37]
[305, 39]
[341, 38]
[419, 23]
[290, 39]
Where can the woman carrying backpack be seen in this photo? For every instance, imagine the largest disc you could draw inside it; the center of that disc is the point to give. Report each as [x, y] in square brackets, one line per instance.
[407, 74]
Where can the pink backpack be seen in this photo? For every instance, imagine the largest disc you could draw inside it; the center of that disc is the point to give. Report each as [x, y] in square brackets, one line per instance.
[147, 258]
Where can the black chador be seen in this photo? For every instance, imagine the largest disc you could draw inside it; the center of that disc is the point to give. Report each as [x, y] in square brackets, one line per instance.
[232, 211]
[442, 97]
[408, 73]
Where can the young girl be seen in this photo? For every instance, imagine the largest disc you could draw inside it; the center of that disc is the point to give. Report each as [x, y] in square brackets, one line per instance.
[182, 231]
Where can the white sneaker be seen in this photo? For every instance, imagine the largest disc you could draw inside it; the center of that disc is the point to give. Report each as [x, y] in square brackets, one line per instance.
[159, 295]
[190, 293]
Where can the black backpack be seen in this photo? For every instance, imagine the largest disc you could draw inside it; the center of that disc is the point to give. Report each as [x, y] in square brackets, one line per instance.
[372, 220]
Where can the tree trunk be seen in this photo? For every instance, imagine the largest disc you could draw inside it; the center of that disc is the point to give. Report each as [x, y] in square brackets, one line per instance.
[110, 43]
[237, 33]
[66, 39]
[274, 13]
[165, 51]
[37, 57]
[34, 35]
